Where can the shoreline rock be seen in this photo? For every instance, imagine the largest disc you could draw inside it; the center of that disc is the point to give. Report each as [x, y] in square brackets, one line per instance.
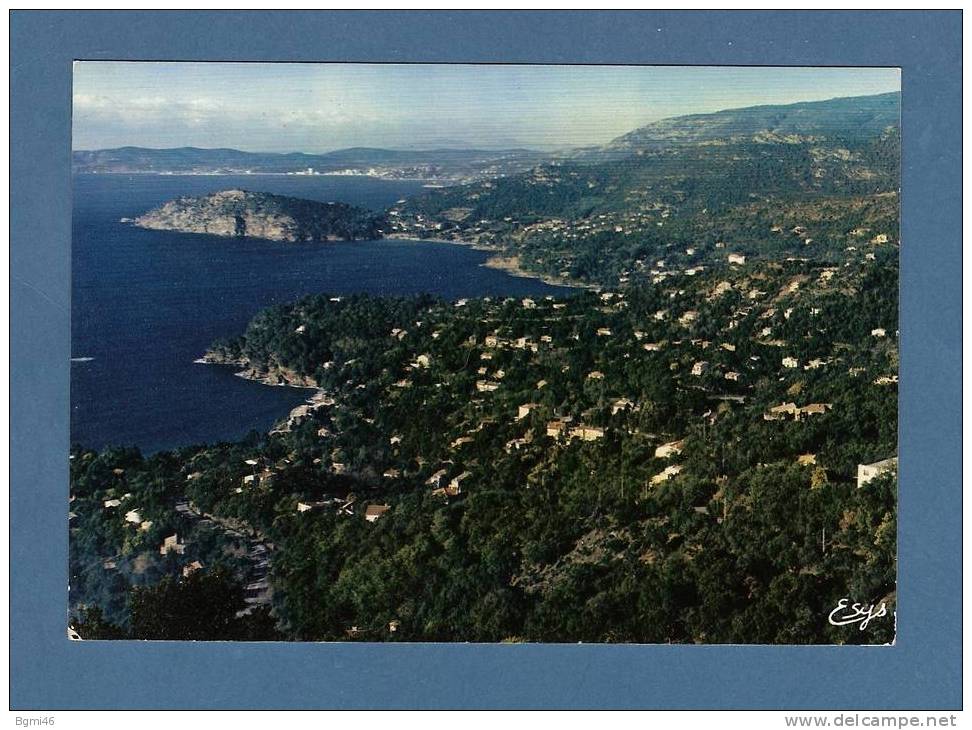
[244, 214]
[501, 260]
[276, 376]
[511, 265]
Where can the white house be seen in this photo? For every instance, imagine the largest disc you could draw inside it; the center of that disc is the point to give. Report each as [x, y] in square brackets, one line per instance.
[455, 484]
[620, 404]
[667, 474]
[524, 410]
[666, 450]
[867, 472]
[587, 433]
[375, 511]
[171, 544]
[556, 427]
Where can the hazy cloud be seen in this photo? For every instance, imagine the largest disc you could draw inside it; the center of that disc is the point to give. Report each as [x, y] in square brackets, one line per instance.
[317, 107]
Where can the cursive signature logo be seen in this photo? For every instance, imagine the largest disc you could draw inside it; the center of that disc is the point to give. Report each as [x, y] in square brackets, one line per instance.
[855, 612]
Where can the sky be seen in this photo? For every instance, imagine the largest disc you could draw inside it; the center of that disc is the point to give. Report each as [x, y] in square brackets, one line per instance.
[286, 107]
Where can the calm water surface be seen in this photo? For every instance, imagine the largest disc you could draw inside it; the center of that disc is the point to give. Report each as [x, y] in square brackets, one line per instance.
[145, 304]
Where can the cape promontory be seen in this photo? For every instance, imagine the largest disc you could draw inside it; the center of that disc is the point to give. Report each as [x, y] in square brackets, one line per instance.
[242, 214]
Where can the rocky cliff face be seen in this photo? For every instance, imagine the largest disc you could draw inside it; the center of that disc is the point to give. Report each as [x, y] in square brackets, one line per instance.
[239, 214]
[272, 374]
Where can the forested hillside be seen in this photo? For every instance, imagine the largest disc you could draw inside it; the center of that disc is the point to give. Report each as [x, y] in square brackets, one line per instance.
[700, 448]
[594, 220]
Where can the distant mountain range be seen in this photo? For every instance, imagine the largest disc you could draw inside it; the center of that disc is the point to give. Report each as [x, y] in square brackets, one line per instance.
[848, 118]
[842, 146]
[425, 164]
[702, 178]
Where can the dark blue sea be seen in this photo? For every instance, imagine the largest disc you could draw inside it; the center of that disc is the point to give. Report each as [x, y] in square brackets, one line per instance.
[146, 304]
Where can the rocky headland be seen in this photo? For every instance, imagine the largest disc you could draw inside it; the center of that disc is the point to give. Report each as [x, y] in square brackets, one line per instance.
[243, 214]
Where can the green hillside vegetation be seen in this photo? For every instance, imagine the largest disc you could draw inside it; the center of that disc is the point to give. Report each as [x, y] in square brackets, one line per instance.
[859, 117]
[593, 220]
[555, 538]
[671, 457]
[241, 213]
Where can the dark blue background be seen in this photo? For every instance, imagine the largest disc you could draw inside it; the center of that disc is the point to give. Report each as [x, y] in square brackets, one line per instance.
[923, 669]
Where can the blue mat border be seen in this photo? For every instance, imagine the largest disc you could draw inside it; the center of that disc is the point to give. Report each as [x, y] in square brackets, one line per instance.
[923, 668]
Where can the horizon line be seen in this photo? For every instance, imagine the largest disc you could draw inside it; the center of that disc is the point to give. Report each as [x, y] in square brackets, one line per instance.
[474, 148]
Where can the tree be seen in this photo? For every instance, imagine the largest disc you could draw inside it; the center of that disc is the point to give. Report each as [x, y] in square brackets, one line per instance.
[200, 607]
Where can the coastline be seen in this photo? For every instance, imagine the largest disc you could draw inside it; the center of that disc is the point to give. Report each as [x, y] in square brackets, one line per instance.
[500, 260]
[277, 377]
[280, 378]
[511, 265]
[431, 182]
